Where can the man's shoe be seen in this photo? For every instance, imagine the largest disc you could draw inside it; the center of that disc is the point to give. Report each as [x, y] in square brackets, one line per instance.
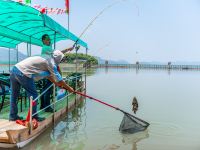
[49, 110]
[39, 119]
[17, 118]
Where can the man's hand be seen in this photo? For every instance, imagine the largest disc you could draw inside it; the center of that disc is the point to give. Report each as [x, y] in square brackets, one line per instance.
[67, 50]
[71, 90]
[65, 86]
[71, 48]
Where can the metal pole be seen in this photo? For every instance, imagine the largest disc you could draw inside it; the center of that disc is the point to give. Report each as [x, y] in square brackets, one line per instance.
[86, 64]
[67, 107]
[86, 70]
[67, 80]
[54, 41]
[27, 50]
[31, 112]
[54, 104]
[68, 22]
[9, 59]
[54, 89]
[17, 54]
[30, 47]
[76, 74]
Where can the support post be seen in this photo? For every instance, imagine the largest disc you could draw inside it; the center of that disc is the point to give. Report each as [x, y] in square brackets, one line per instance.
[54, 88]
[17, 54]
[9, 58]
[76, 73]
[31, 112]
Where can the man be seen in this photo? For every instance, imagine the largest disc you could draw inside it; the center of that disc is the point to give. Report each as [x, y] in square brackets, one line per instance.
[47, 50]
[34, 68]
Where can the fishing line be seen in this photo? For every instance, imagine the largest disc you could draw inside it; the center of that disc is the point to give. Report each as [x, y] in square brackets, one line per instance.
[98, 15]
[95, 18]
[106, 45]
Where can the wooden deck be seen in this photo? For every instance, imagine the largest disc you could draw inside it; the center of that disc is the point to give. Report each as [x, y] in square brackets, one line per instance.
[6, 126]
[15, 135]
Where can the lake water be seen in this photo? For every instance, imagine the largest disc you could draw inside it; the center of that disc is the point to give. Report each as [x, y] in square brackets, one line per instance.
[169, 101]
[5, 68]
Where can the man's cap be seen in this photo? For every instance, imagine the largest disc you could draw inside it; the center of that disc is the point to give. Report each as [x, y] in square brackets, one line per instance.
[58, 56]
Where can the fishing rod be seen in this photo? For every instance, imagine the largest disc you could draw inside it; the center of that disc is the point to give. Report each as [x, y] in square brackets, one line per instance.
[95, 18]
[106, 45]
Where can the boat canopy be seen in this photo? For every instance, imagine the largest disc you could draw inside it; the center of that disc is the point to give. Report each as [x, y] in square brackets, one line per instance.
[21, 23]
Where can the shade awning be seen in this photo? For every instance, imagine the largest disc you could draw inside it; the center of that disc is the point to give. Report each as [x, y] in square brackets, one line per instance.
[21, 23]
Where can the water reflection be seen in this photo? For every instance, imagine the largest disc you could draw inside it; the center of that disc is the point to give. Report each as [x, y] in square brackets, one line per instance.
[70, 133]
[136, 71]
[133, 139]
[128, 141]
[160, 96]
[106, 70]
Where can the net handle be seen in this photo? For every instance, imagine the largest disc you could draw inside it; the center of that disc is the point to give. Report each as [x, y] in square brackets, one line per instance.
[109, 105]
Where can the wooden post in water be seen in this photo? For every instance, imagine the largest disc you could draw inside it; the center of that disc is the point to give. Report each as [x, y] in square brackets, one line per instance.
[169, 65]
[137, 64]
[106, 63]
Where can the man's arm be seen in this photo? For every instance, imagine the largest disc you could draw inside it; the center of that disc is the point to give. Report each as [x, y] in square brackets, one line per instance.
[62, 84]
[67, 49]
[55, 76]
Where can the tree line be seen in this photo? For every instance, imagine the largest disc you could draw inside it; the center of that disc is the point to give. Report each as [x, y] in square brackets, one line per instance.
[71, 57]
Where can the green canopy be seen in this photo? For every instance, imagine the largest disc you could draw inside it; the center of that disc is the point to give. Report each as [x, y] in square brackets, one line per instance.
[21, 23]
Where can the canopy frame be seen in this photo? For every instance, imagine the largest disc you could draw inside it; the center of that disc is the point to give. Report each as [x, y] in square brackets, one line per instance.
[16, 26]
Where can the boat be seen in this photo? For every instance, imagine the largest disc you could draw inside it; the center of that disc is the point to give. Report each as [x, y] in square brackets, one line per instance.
[20, 23]
[14, 135]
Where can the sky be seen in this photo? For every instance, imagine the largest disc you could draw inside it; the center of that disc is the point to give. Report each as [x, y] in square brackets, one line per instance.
[134, 30]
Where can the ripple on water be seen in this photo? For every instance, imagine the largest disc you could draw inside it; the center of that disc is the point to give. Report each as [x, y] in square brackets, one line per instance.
[110, 147]
[106, 130]
[164, 129]
[126, 140]
[134, 138]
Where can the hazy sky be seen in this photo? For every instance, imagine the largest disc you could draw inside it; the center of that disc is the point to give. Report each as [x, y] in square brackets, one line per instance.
[144, 30]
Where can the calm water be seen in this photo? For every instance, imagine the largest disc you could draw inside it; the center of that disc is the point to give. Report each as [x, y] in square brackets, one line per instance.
[5, 68]
[169, 101]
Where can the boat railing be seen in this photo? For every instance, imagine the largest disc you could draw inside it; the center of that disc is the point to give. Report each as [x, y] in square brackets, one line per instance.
[67, 79]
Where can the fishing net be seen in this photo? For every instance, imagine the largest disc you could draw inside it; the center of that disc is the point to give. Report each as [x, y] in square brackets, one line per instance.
[131, 124]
